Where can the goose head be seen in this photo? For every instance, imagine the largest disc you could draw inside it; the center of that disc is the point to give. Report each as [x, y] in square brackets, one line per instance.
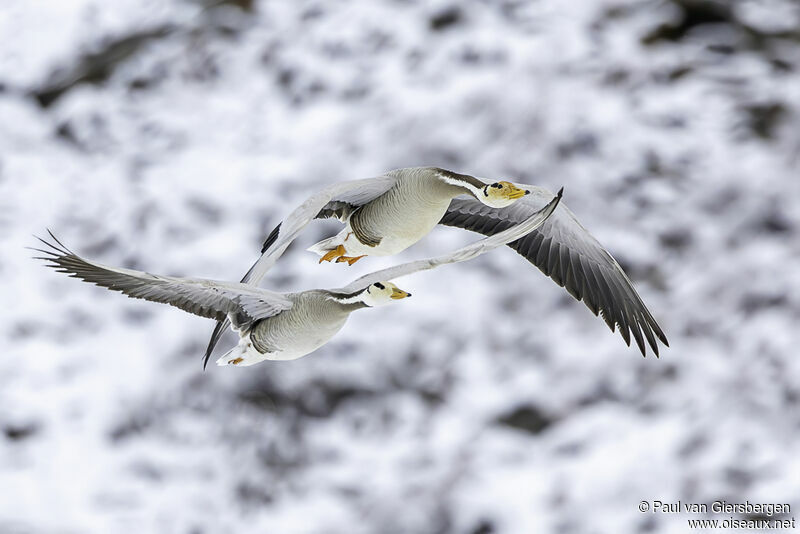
[501, 194]
[381, 293]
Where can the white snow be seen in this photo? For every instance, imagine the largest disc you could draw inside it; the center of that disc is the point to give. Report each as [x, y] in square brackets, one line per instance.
[680, 157]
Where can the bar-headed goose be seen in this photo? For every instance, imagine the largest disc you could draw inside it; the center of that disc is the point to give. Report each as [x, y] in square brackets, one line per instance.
[391, 212]
[273, 326]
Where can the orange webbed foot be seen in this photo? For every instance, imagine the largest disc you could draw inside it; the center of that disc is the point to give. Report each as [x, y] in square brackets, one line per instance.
[349, 259]
[335, 253]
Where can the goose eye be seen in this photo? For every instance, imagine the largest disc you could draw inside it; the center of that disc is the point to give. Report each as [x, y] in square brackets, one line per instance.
[379, 285]
[498, 186]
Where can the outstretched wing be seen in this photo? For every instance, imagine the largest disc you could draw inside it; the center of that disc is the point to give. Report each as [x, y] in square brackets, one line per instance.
[338, 200]
[242, 303]
[566, 252]
[473, 250]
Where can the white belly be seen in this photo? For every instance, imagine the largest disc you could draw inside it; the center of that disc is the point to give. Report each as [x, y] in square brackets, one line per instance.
[389, 245]
[306, 342]
[397, 233]
[299, 349]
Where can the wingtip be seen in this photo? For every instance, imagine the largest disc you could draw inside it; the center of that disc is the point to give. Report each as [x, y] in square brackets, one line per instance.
[207, 356]
[560, 192]
[215, 335]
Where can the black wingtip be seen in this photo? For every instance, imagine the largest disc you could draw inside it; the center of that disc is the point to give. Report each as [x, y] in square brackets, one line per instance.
[54, 249]
[209, 350]
[560, 192]
[271, 238]
[215, 335]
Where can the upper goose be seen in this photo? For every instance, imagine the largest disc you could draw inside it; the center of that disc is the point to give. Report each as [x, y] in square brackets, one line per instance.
[399, 208]
[273, 326]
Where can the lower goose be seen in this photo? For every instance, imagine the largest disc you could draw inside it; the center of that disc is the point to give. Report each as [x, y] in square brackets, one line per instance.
[271, 325]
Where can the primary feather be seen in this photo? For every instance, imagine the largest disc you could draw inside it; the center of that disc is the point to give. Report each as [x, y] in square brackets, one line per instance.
[243, 303]
[566, 252]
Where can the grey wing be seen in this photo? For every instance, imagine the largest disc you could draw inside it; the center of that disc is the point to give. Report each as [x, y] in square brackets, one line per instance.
[207, 298]
[566, 252]
[338, 200]
[514, 232]
[347, 197]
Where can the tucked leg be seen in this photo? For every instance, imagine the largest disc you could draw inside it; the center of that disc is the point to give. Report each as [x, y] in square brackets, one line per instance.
[349, 259]
[335, 253]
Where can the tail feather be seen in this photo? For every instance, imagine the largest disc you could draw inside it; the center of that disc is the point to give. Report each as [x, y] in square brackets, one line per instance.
[325, 246]
[229, 357]
[242, 355]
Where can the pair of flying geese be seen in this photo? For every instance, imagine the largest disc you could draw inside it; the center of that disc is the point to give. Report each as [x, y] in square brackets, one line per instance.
[384, 216]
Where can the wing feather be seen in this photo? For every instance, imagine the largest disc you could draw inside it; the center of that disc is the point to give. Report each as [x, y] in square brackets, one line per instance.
[566, 252]
[467, 252]
[338, 200]
[206, 298]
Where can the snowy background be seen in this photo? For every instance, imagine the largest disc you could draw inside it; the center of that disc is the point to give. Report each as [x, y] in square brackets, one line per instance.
[173, 135]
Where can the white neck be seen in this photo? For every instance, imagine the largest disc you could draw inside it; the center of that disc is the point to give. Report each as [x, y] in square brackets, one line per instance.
[349, 300]
[476, 191]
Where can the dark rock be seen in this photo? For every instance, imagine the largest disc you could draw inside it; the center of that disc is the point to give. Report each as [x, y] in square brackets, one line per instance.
[648, 524]
[253, 494]
[140, 84]
[617, 76]
[693, 445]
[678, 239]
[248, 6]
[724, 49]
[206, 211]
[679, 73]
[739, 478]
[96, 67]
[527, 418]
[754, 302]
[244, 5]
[445, 18]
[776, 222]
[581, 144]
[693, 13]
[137, 316]
[764, 119]
[781, 65]
[484, 526]
[698, 13]
[66, 132]
[20, 431]
[128, 428]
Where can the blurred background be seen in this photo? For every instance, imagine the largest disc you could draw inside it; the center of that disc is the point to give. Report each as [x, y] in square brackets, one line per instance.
[172, 136]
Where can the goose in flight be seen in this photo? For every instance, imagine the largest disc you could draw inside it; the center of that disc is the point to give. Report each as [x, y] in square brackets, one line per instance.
[384, 215]
[271, 325]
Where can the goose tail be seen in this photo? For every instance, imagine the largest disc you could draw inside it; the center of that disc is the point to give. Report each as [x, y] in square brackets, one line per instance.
[326, 245]
[242, 355]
